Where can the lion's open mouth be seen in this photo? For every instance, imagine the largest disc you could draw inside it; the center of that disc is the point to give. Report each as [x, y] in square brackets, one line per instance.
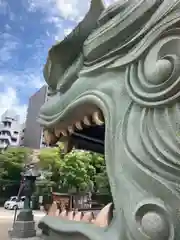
[87, 133]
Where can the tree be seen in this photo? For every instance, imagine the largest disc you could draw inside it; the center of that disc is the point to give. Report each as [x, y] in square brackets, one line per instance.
[11, 163]
[11, 166]
[72, 171]
[100, 178]
[50, 163]
[102, 182]
[77, 171]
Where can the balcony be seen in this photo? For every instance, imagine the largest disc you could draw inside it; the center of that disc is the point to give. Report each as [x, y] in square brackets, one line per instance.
[3, 145]
[5, 137]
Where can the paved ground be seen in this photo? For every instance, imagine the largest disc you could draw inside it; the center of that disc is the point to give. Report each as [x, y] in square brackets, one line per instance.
[6, 221]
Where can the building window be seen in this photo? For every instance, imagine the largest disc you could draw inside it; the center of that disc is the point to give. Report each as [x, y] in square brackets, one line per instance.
[5, 133]
[7, 124]
[4, 141]
[15, 132]
[13, 139]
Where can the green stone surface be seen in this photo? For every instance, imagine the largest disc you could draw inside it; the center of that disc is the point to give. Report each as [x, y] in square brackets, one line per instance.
[124, 60]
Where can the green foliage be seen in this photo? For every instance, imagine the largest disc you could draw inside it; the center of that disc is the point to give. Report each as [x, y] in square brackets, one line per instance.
[11, 163]
[100, 178]
[50, 163]
[77, 170]
[49, 158]
[102, 182]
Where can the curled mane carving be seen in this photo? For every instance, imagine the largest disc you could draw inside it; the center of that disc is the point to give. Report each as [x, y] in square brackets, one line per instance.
[130, 32]
[122, 83]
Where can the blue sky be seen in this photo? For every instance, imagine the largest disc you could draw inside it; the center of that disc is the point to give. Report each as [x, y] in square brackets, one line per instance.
[28, 29]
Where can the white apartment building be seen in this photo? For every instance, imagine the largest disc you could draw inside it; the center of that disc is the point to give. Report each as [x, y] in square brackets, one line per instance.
[11, 130]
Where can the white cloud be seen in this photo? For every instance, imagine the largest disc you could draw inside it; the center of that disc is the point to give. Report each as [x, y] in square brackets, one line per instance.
[21, 80]
[3, 6]
[62, 9]
[7, 27]
[35, 81]
[108, 2]
[12, 85]
[8, 45]
[67, 31]
[10, 100]
[72, 9]
[47, 33]
[66, 9]
[57, 11]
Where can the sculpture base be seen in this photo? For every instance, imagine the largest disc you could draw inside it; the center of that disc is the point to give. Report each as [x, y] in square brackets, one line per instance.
[24, 227]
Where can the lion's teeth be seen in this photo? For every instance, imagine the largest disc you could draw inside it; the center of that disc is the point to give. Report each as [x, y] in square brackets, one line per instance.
[98, 118]
[49, 137]
[64, 133]
[57, 132]
[70, 129]
[78, 125]
[87, 121]
[68, 146]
